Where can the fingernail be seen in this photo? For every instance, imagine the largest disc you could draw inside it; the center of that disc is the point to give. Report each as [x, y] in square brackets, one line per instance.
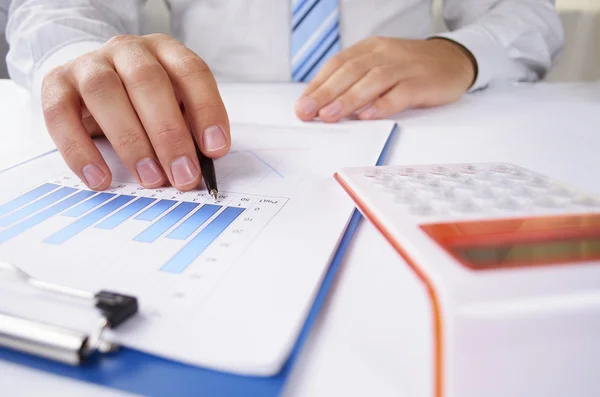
[368, 113]
[149, 171]
[184, 171]
[306, 106]
[93, 175]
[332, 110]
[213, 139]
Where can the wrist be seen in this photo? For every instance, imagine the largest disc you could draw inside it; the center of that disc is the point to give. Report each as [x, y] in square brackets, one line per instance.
[463, 56]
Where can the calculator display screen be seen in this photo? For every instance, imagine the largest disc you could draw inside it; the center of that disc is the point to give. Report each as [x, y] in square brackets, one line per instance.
[531, 253]
[522, 242]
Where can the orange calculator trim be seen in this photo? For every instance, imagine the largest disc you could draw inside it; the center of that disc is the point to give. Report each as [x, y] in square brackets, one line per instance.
[519, 231]
[435, 302]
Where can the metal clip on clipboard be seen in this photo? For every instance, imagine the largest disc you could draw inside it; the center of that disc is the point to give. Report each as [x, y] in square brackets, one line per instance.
[58, 343]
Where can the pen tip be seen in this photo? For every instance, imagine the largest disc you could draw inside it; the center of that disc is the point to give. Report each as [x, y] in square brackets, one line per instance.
[214, 193]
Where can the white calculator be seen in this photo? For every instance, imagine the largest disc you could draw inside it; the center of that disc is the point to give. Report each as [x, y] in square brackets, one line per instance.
[509, 261]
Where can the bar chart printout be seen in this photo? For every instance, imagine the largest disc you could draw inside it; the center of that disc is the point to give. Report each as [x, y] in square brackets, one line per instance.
[182, 226]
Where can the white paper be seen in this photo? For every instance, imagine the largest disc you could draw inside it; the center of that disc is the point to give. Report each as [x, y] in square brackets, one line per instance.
[231, 298]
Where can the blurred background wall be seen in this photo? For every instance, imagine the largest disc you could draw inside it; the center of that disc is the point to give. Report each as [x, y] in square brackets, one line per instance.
[579, 61]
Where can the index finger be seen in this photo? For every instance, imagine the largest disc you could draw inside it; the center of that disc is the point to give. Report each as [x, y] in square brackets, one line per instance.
[200, 95]
[62, 113]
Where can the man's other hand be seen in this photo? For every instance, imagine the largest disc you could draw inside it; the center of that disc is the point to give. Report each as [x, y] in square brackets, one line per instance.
[380, 76]
[142, 93]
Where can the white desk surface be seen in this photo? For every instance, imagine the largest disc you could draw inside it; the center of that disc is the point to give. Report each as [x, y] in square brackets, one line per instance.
[353, 349]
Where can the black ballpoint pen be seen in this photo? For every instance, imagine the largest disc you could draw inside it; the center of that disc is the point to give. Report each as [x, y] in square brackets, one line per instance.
[207, 167]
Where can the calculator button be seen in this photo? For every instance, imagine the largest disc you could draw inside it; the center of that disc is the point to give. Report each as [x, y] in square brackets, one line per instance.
[434, 183]
[485, 176]
[587, 201]
[560, 191]
[549, 202]
[523, 191]
[405, 171]
[439, 170]
[372, 172]
[508, 203]
[504, 183]
[382, 178]
[467, 205]
[518, 174]
[539, 181]
[447, 194]
[405, 197]
[393, 185]
[469, 169]
[422, 209]
[485, 192]
[502, 169]
[420, 176]
[467, 182]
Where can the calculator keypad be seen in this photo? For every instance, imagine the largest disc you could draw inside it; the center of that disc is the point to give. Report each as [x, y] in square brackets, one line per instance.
[459, 190]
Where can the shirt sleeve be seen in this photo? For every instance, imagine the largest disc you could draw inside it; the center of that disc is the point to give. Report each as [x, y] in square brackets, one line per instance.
[511, 40]
[43, 34]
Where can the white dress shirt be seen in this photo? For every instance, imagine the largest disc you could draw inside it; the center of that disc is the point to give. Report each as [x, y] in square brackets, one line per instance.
[248, 40]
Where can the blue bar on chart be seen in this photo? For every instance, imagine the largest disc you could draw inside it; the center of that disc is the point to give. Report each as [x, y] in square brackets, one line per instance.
[125, 213]
[156, 210]
[88, 220]
[46, 214]
[201, 241]
[165, 223]
[37, 206]
[191, 224]
[27, 198]
[89, 204]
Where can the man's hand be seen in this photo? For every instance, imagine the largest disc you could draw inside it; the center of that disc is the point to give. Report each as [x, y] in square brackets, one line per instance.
[133, 90]
[379, 77]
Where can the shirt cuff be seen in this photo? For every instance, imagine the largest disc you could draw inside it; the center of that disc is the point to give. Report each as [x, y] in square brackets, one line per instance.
[58, 58]
[488, 54]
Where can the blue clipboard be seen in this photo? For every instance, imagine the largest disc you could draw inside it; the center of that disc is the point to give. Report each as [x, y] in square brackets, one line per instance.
[137, 372]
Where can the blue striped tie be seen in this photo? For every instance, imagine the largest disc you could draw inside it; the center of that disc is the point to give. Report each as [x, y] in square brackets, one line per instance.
[315, 36]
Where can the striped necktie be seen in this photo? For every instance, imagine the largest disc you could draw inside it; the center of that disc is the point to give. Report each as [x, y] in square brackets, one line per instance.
[315, 36]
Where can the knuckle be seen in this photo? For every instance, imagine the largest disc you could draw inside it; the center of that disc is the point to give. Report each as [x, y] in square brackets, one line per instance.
[379, 73]
[378, 41]
[120, 39]
[355, 67]
[373, 40]
[144, 74]
[336, 61]
[191, 66]
[386, 104]
[52, 84]
[98, 81]
[53, 76]
[395, 101]
[412, 88]
[324, 94]
[158, 37]
[71, 148]
[129, 138]
[209, 108]
[162, 42]
[351, 99]
[171, 137]
[168, 131]
[54, 111]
